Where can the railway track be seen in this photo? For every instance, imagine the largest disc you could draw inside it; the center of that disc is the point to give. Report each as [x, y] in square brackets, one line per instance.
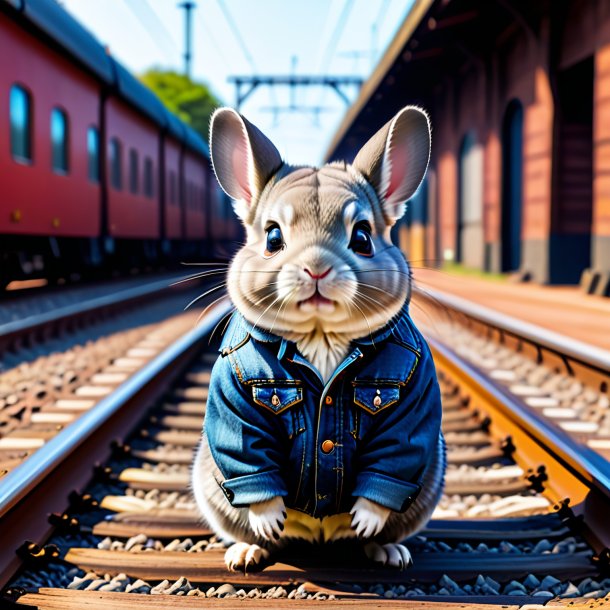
[521, 523]
[55, 367]
[48, 313]
[558, 381]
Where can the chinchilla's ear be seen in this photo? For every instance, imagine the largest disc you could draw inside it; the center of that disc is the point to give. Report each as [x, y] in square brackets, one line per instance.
[243, 158]
[395, 159]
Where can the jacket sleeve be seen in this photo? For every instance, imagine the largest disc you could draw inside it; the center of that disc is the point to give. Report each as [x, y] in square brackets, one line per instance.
[243, 440]
[401, 442]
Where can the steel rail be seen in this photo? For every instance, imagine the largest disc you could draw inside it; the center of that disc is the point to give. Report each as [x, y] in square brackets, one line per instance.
[16, 485]
[35, 322]
[578, 351]
[584, 463]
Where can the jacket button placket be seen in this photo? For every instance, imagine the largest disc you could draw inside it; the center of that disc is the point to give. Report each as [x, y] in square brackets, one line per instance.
[328, 455]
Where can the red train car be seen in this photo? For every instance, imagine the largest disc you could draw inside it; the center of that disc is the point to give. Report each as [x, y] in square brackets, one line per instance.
[134, 118]
[194, 188]
[173, 218]
[96, 172]
[52, 110]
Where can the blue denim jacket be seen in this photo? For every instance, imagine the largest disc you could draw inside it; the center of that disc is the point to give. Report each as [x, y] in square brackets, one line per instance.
[275, 429]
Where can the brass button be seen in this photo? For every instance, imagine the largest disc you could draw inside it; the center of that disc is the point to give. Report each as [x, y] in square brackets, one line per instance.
[275, 400]
[377, 401]
[328, 400]
[327, 446]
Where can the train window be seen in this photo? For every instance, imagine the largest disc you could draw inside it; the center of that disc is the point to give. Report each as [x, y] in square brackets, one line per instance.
[149, 187]
[172, 187]
[133, 171]
[59, 141]
[21, 123]
[116, 163]
[93, 153]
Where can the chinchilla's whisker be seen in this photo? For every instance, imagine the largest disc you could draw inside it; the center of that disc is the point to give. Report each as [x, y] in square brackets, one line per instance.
[265, 311]
[427, 261]
[201, 296]
[190, 278]
[230, 314]
[373, 287]
[254, 271]
[376, 304]
[249, 294]
[205, 264]
[229, 320]
[260, 301]
[426, 313]
[365, 318]
[418, 290]
[222, 296]
[390, 271]
[282, 304]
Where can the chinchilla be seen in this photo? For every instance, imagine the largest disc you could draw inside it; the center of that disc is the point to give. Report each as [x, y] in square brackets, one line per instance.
[319, 270]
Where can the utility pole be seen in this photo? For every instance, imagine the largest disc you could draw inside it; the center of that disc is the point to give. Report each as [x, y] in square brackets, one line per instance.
[188, 7]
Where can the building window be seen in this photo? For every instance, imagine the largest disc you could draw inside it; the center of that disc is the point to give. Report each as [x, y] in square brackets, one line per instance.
[172, 187]
[149, 187]
[93, 153]
[21, 124]
[133, 171]
[59, 141]
[116, 162]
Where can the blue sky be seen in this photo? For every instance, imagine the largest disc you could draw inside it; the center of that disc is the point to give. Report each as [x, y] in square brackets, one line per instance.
[322, 34]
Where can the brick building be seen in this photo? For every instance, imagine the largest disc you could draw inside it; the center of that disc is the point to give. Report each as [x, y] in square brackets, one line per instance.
[519, 97]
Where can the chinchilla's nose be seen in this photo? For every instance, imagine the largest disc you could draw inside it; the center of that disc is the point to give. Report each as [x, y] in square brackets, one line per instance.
[318, 276]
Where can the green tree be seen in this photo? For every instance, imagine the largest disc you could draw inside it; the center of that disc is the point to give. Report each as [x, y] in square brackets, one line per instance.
[192, 101]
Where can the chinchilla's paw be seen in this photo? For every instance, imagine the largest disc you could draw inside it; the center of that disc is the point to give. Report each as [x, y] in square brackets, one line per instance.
[267, 518]
[369, 517]
[242, 556]
[392, 554]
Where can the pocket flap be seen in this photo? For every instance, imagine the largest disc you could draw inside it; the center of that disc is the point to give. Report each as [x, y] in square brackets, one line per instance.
[375, 398]
[277, 398]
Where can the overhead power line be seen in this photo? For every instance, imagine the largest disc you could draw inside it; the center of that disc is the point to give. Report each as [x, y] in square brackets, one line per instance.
[154, 27]
[383, 10]
[336, 35]
[210, 36]
[237, 34]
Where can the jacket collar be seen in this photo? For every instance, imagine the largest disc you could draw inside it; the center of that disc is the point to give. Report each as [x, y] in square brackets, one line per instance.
[400, 329]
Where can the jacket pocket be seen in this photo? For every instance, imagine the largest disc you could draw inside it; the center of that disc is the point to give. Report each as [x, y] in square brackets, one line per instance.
[285, 401]
[277, 398]
[375, 397]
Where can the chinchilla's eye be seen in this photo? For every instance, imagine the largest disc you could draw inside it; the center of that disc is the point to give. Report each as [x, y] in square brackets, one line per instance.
[362, 242]
[275, 242]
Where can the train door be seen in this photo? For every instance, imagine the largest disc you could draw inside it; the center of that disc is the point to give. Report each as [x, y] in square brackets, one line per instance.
[512, 186]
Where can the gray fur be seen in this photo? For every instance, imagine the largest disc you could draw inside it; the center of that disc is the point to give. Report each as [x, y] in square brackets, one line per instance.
[316, 210]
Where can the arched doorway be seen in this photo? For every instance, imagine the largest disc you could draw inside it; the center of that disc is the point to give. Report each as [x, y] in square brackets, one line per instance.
[512, 186]
[469, 238]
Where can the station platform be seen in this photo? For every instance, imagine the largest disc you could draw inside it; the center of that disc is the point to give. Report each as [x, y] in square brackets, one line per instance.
[566, 310]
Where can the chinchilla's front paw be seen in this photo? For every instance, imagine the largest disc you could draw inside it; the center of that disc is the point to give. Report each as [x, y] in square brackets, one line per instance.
[369, 517]
[267, 518]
